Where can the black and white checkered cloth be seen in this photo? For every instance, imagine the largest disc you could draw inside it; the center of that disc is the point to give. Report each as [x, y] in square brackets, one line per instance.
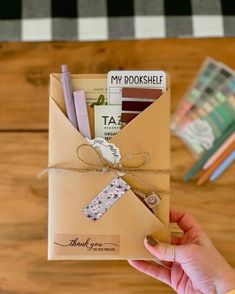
[45, 20]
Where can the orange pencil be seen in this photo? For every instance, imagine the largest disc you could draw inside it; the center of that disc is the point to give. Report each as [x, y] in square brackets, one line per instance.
[205, 176]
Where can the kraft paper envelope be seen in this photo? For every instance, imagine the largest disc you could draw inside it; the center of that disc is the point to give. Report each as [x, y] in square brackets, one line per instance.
[120, 232]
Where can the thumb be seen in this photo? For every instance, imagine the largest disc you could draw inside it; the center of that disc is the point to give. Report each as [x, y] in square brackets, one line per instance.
[167, 252]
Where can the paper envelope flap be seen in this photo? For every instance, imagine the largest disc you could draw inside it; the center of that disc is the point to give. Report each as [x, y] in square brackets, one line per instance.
[128, 218]
[149, 132]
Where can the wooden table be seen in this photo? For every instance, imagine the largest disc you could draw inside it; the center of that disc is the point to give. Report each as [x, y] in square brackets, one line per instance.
[23, 153]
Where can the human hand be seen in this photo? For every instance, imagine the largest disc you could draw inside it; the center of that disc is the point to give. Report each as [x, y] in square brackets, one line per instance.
[195, 264]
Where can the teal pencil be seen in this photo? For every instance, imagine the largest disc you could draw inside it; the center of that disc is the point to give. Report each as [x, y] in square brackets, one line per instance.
[198, 165]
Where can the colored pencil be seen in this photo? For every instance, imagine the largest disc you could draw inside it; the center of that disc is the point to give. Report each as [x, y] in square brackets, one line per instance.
[205, 176]
[199, 164]
[224, 165]
[220, 150]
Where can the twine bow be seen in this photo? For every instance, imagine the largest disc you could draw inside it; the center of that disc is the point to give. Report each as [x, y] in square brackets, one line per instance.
[105, 166]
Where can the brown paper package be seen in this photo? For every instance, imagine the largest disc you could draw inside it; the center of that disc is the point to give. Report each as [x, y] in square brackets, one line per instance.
[120, 232]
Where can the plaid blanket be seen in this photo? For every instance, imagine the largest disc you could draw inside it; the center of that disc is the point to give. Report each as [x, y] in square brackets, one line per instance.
[45, 20]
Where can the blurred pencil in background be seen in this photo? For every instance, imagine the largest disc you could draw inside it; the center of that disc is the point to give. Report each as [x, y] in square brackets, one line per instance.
[224, 165]
[217, 154]
[205, 176]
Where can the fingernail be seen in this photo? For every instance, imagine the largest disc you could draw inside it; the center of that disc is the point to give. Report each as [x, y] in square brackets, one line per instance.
[152, 242]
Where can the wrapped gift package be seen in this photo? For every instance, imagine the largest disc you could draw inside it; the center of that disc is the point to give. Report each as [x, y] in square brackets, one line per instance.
[102, 209]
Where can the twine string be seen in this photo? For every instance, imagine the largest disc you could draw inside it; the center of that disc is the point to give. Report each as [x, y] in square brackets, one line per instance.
[105, 166]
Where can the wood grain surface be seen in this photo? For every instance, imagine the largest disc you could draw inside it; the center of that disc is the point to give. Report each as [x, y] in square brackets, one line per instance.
[23, 153]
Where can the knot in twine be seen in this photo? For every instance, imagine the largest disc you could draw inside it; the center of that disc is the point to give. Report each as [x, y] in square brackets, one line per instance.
[105, 166]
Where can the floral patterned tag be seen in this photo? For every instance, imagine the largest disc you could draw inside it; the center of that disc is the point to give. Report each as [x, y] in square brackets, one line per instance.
[106, 198]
